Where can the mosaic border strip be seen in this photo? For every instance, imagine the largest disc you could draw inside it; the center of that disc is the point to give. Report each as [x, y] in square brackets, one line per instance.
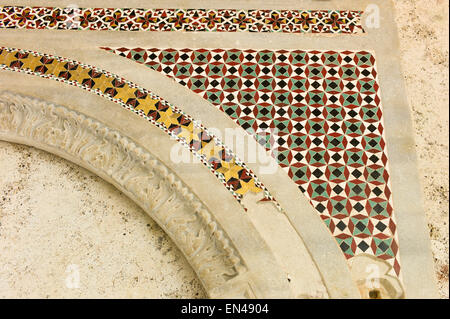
[198, 20]
[327, 110]
[229, 169]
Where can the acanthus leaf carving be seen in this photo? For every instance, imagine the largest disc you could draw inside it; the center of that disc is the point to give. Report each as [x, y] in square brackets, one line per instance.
[160, 192]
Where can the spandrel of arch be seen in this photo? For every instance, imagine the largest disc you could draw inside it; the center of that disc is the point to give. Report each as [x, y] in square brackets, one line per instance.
[251, 282]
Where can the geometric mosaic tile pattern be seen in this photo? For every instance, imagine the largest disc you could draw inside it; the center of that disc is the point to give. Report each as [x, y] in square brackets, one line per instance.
[234, 174]
[325, 106]
[213, 20]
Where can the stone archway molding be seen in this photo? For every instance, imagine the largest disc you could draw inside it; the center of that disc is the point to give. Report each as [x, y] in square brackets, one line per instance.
[312, 266]
[243, 267]
[309, 256]
[148, 182]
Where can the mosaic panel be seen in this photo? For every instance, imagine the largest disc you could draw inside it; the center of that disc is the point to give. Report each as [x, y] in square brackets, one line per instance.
[213, 20]
[325, 106]
[226, 166]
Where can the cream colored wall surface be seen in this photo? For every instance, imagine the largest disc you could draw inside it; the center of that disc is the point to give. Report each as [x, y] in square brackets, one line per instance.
[423, 33]
[57, 218]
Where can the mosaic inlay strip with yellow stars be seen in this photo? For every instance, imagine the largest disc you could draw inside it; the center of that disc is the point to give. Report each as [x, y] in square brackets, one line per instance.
[226, 166]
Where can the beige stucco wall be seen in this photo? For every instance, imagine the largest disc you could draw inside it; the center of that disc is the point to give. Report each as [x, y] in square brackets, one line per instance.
[423, 32]
[54, 214]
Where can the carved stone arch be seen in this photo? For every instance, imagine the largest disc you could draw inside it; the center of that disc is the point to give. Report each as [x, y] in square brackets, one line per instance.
[249, 271]
[148, 182]
[278, 260]
[297, 243]
[290, 255]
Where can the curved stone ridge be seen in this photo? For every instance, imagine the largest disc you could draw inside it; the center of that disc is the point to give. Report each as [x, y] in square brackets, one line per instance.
[326, 109]
[212, 20]
[148, 181]
[372, 277]
[232, 172]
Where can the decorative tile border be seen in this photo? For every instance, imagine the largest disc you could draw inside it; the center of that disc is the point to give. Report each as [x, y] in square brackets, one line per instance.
[212, 20]
[326, 108]
[233, 173]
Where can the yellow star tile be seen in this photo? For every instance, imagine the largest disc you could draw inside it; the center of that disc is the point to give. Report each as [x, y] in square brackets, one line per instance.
[55, 68]
[248, 187]
[231, 171]
[226, 166]
[7, 57]
[80, 74]
[168, 117]
[195, 132]
[102, 83]
[125, 93]
[31, 62]
[148, 104]
[210, 149]
[186, 133]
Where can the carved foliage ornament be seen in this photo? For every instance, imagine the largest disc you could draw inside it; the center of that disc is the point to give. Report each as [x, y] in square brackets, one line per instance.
[135, 171]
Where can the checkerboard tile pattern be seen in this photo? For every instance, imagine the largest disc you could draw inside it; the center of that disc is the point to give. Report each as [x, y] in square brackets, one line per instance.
[232, 172]
[212, 20]
[325, 107]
